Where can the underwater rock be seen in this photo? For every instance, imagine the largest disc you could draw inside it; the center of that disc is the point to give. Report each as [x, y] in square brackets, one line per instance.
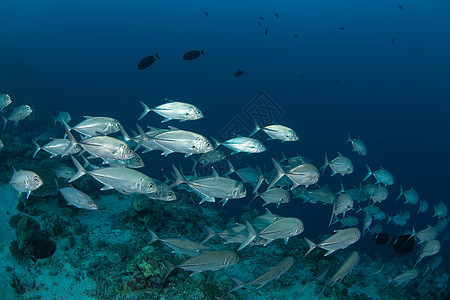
[44, 248]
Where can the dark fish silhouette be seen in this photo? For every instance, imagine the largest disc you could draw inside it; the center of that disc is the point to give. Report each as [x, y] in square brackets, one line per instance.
[190, 55]
[296, 36]
[44, 248]
[338, 81]
[206, 13]
[342, 28]
[301, 77]
[148, 61]
[261, 18]
[238, 73]
[382, 239]
[400, 6]
[266, 31]
[259, 24]
[403, 244]
[276, 14]
[393, 40]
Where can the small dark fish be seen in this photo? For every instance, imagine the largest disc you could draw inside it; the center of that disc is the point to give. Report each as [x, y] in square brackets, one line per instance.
[393, 40]
[276, 14]
[382, 238]
[205, 13]
[148, 61]
[238, 73]
[403, 244]
[342, 28]
[44, 248]
[296, 36]
[266, 31]
[338, 81]
[261, 18]
[301, 77]
[259, 24]
[400, 6]
[190, 55]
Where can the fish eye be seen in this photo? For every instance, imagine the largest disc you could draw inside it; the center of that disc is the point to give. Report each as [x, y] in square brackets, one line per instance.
[138, 160]
[150, 185]
[35, 178]
[208, 144]
[170, 194]
[156, 193]
[90, 202]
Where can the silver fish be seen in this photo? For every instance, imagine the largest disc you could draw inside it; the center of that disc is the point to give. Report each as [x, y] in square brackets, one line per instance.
[265, 220]
[209, 158]
[207, 261]
[242, 144]
[305, 175]
[135, 162]
[276, 132]
[272, 274]
[411, 195]
[57, 147]
[106, 147]
[440, 210]
[380, 194]
[25, 181]
[274, 195]
[63, 117]
[1, 145]
[209, 188]
[247, 175]
[405, 277]
[347, 221]
[78, 198]
[93, 126]
[432, 247]
[426, 234]
[339, 165]
[181, 246]
[321, 194]
[423, 206]
[163, 192]
[381, 175]
[182, 141]
[358, 145]
[343, 271]
[19, 113]
[5, 100]
[145, 139]
[342, 204]
[340, 240]
[367, 222]
[121, 179]
[63, 171]
[174, 111]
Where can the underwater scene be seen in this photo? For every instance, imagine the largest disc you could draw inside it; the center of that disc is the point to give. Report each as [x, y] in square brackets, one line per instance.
[224, 149]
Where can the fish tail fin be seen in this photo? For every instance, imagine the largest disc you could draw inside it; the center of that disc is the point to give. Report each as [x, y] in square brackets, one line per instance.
[178, 177]
[280, 173]
[157, 55]
[349, 138]
[154, 236]
[37, 148]
[72, 140]
[389, 281]
[146, 110]
[254, 197]
[195, 164]
[142, 139]
[260, 179]
[325, 164]
[401, 193]
[170, 268]
[125, 135]
[5, 120]
[257, 127]
[211, 234]
[202, 51]
[81, 171]
[251, 236]
[311, 245]
[323, 290]
[333, 213]
[369, 172]
[283, 157]
[413, 234]
[216, 142]
[239, 284]
[231, 169]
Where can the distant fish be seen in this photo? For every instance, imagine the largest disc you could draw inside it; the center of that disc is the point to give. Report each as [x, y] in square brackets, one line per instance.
[266, 31]
[274, 195]
[304, 174]
[78, 198]
[342, 28]
[410, 195]
[148, 61]
[261, 18]
[57, 147]
[63, 171]
[190, 55]
[174, 110]
[339, 165]
[440, 210]
[340, 240]
[296, 36]
[259, 24]
[276, 132]
[358, 145]
[238, 73]
[381, 175]
[5, 100]
[205, 13]
[242, 144]
[1, 145]
[432, 247]
[63, 117]
[19, 113]
[25, 181]
[277, 15]
[393, 40]
[400, 6]
[405, 277]
[180, 246]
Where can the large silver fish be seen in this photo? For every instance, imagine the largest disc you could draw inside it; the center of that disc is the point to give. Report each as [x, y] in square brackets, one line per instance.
[440, 210]
[207, 261]
[272, 274]
[381, 175]
[77, 198]
[432, 247]
[92, 126]
[19, 113]
[242, 144]
[121, 179]
[106, 147]
[174, 111]
[404, 277]
[5, 100]
[274, 195]
[426, 234]
[181, 246]
[410, 195]
[305, 174]
[163, 192]
[182, 141]
[339, 165]
[340, 240]
[209, 188]
[25, 181]
[276, 132]
[63, 117]
[321, 194]
[57, 147]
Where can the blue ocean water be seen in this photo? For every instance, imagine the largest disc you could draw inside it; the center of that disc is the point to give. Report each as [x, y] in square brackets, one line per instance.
[379, 70]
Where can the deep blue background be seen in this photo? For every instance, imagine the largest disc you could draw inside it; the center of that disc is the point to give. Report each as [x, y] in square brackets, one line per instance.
[81, 57]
